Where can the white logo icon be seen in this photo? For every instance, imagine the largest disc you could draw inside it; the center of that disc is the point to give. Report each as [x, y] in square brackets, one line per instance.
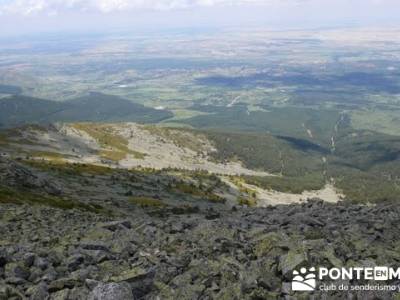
[381, 273]
[304, 281]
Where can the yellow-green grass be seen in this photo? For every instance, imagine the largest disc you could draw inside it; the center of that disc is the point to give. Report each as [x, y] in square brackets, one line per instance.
[112, 155]
[251, 202]
[181, 114]
[50, 156]
[195, 191]
[243, 189]
[3, 139]
[8, 196]
[115, 146]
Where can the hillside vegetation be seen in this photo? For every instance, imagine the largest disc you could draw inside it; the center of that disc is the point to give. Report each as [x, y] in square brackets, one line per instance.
[364, 166]
[95, 107]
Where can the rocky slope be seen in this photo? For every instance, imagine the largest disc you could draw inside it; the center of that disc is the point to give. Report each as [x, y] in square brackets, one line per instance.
[48, 253]
[118, 234]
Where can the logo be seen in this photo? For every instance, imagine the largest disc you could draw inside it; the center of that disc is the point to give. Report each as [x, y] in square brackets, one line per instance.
[306, 279]
[303, 280]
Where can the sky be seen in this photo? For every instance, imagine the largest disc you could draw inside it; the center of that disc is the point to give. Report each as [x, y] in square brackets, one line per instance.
[38, 16]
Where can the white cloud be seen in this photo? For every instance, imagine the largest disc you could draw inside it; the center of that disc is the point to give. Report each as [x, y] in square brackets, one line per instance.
[54, 7]
[31, 7]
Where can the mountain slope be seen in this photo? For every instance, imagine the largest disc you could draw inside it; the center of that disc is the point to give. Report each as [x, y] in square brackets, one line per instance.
[17, 110]
[95, 107]
[364, 167]
[120, 234]
[10, 89]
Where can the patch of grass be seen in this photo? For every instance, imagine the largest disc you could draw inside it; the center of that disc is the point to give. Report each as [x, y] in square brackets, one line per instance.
[103, 134]
[188, 189]
[191, 189]
[181, 114]
[294, 185]
[3, 139]
[51, 156]
[244, 190]
[8, 195]
[112, 155]
[215, 198]
[267, 243]
[115, 146]
[137, 154]
[251, 202]
[147, 202]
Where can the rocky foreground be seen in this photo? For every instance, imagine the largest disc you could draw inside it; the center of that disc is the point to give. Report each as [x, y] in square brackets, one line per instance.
[246, 253]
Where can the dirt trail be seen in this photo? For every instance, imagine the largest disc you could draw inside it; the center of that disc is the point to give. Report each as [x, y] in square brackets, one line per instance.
[269, 197]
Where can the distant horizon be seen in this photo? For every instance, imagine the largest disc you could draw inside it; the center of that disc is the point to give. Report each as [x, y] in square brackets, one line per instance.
[186, 31]
[32, 17]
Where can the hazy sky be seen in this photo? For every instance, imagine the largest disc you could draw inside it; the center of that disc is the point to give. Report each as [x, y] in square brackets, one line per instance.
[35, 16]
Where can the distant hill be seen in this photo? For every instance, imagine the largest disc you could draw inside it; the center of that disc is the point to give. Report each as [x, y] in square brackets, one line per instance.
[94, 107]
[10, 89]
[18, 109]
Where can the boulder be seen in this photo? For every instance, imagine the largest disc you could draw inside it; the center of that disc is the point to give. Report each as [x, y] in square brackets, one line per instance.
[291, 260]
[38, 292]
[17, 270]
[111, 291]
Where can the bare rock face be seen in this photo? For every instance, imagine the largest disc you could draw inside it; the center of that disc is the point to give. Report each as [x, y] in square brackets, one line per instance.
[112, 291]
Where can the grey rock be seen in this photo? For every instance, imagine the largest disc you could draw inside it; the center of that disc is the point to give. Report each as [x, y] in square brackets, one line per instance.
[93, 245]
[98, 256]
[75, 261]
[15, 280]
[41, 263]
[61, 284]
[91, 284]
[79, 293]
[36, 274]
[290, 261]
[3, 258]
[113, 226]
[38, 292]
[8, 292]
[29, 259]
[61, 295]
[112, 291]
[17, 270]
[50, 275]
[286, 288]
